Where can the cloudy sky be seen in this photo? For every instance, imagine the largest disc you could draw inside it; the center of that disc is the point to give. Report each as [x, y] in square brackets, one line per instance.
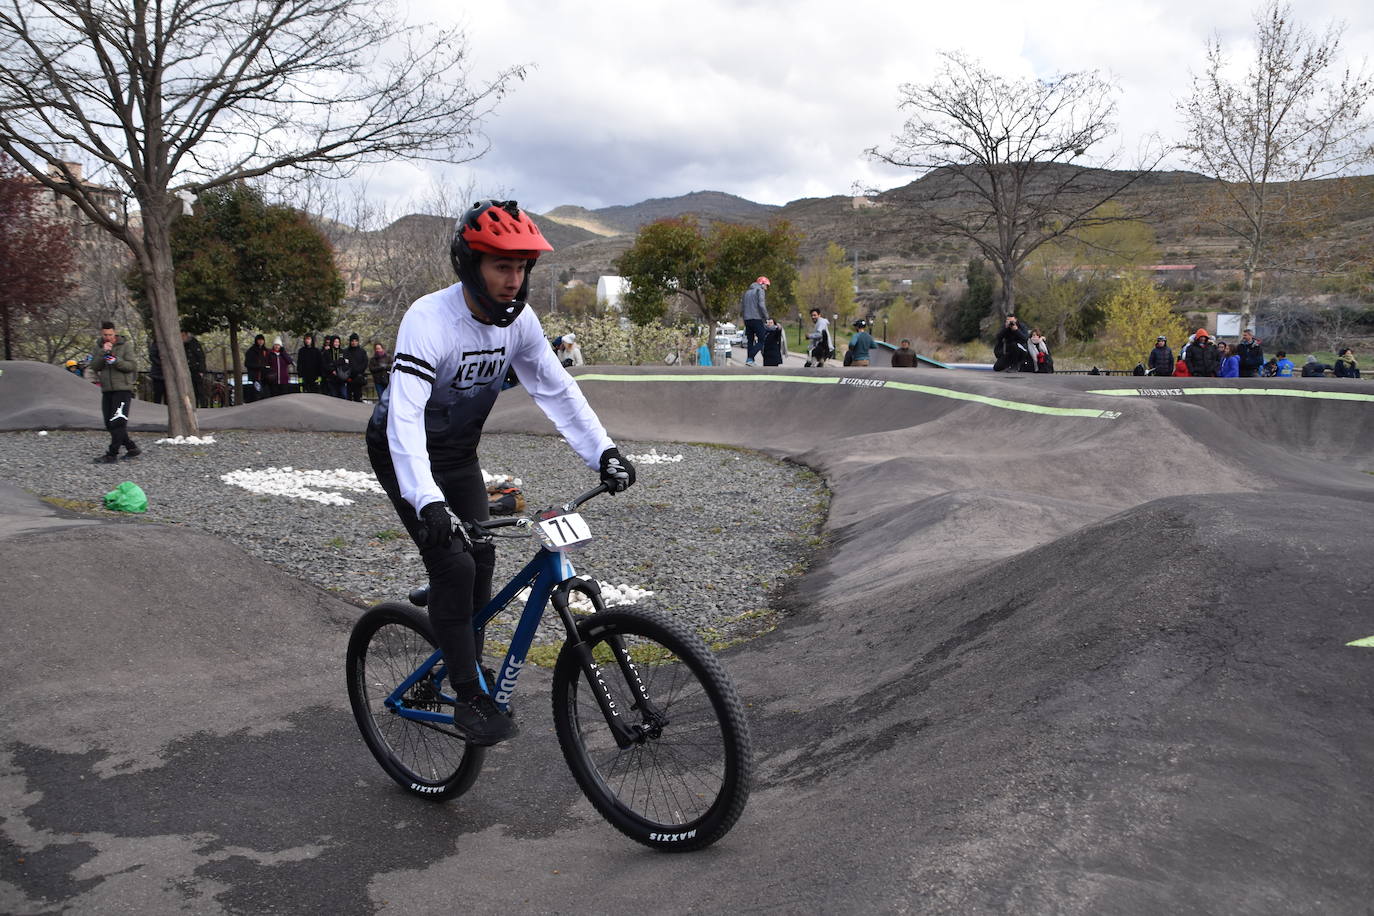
[775, 101]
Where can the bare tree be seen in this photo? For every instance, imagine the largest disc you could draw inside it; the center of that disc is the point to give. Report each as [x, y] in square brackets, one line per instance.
[997, 157]
[169, 99]
[99, 292]
[1291, 118]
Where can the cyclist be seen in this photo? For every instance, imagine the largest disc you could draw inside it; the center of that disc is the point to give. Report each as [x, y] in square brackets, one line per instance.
[453, 351]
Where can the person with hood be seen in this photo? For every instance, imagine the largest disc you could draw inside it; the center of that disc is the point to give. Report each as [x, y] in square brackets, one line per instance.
[1161, 361]
[255, 365]
[357, 367]
[310, 365]
[1203, 359]
[1346, 366]
[277, 372]
[1251, 354]
[1010, 348]
[1230, 360]
[113, 368]
[754, 308]
[1314, 369]
[453, 351]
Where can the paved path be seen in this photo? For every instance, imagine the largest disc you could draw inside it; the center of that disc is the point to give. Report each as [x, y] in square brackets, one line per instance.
[1078, 645]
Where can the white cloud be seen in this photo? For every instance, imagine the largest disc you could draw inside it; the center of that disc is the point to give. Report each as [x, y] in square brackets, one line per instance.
[774, 100]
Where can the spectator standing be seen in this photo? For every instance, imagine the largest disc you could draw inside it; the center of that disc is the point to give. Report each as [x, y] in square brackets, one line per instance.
[379, 366]
[774, 343]
[195, 362]
[1161, 361]
[860, 344]
[277, 372]
[1230, 361]
[1203, 359]
[336, 368]
[820, 339]
[904, 357]
[1251, 354]
[1040, 359]
[569, 351]
[113, 369]
[1283, 366]
[754, 308]
[155, 375]
[356, 358]
[1346, 366]
[1314, 369]
[310, 365]
[1010, 349]
[255, 364]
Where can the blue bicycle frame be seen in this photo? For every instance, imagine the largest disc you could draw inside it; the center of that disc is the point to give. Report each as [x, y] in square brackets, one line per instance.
[543, 575]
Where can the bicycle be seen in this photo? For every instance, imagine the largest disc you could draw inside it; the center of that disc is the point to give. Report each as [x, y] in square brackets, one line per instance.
[648, 720]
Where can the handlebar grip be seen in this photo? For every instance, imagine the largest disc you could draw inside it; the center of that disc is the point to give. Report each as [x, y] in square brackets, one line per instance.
[590, 494]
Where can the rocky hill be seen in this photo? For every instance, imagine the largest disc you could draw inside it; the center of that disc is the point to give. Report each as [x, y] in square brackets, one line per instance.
[885, 231]
[884, 234]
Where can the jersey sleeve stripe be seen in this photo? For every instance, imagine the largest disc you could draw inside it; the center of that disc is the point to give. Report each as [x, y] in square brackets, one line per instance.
[398, 367]
[413, 359]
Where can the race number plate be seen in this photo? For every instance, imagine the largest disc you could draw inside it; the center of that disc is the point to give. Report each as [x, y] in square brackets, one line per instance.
[563, 531]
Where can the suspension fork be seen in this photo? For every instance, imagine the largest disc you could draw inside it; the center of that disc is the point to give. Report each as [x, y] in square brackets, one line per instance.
[625, 734]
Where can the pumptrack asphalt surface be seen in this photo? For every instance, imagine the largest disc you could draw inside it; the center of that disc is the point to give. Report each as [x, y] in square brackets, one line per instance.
[1076, 645]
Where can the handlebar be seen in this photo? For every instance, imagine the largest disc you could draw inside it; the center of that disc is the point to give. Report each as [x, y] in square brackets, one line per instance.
[521, 521]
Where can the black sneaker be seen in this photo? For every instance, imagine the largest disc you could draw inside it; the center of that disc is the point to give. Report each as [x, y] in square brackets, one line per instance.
[481, 720]
[490, 677]
[133, 452]
[107, 459]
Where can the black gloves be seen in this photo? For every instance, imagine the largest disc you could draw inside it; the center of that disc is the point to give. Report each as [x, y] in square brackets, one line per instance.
[436, 527]
[616, 471]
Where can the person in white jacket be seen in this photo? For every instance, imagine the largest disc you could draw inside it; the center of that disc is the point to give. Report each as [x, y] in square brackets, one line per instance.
[569, 352]
[453, 350]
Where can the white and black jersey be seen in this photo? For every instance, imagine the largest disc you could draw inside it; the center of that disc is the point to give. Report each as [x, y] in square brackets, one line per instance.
[446, 374]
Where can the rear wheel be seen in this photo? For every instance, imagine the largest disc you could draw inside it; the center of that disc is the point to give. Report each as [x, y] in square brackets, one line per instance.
[682, 777]
[388, 644]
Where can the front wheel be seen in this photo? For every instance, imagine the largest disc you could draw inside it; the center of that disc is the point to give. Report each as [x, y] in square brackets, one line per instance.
[674, 770]
[390, 643]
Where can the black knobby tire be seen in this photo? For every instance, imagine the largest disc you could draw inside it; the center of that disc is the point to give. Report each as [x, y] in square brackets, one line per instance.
[683, 785]
[428, 759]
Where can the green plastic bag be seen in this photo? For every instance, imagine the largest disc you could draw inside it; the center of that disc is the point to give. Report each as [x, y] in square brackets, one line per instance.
[127, 497]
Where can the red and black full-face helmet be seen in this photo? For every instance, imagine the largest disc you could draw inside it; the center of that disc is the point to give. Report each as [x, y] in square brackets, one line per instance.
[495, 227]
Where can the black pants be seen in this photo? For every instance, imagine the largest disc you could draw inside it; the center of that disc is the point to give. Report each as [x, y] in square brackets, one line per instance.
[114, 407]
[459, 580]
[753, 337]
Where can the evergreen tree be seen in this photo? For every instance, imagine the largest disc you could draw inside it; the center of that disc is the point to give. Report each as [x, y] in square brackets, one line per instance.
[243, 263]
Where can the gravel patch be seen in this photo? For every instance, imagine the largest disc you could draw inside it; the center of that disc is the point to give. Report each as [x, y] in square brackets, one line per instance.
[713, 535]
